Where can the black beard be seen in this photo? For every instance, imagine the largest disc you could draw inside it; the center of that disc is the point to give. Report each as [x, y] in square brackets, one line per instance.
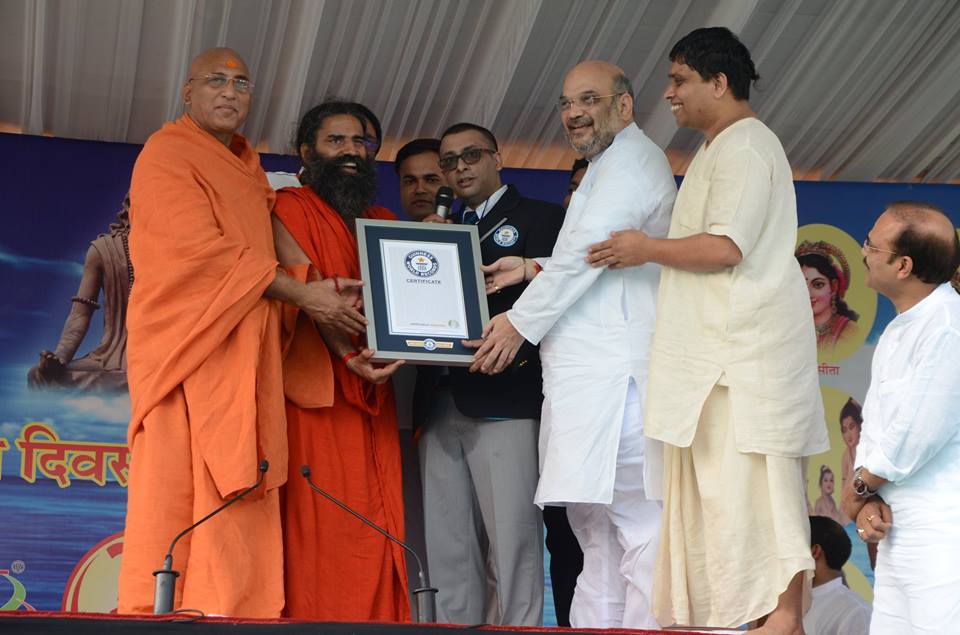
[349, 194]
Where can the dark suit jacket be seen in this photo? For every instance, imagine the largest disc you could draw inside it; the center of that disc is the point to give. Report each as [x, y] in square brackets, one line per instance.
[517, 392]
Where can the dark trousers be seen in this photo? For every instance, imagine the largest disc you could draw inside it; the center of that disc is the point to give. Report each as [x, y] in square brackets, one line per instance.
[566, 560]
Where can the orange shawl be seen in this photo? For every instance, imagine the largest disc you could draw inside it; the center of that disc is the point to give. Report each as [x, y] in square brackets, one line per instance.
[202, 249]
[332, 248]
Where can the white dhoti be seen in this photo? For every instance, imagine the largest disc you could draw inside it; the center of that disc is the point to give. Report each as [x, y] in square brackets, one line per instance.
[735, 527]
[619, 541]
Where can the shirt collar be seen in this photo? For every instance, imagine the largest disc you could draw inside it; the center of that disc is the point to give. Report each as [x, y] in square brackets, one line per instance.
[923, 306]
[827, 587]
[482, 209]
[623, 133]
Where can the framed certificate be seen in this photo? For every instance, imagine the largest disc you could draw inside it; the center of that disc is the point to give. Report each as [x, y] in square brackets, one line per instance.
[423, 290]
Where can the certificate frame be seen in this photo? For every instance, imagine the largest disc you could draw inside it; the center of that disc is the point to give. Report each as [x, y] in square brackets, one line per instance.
[443, 350]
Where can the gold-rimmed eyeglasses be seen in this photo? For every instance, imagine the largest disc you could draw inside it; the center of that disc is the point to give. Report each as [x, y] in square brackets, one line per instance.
[217, 80]
[868, 245]
[582, 101]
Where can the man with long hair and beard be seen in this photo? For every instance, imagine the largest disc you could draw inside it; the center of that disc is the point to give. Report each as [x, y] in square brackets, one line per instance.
[341, 423]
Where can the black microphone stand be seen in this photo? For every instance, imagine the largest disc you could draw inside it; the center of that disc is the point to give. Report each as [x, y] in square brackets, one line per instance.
[424, 594]
[166, 576]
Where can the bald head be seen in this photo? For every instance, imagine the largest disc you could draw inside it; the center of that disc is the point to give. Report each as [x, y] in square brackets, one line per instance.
[217, 92]
[597, 70]
[218, 56]
[599, 74]
[596, 104]
[926, 235]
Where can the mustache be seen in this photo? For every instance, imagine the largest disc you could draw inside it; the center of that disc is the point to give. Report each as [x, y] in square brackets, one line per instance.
[581, 120]
[356, 159]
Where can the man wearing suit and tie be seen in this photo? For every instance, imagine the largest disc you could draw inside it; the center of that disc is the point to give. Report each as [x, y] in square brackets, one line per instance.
[478, 449]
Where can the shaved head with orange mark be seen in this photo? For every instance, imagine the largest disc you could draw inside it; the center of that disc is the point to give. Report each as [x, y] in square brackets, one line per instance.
[219, 111]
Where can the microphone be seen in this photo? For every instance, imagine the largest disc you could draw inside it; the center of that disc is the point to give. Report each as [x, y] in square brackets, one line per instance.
[444, 201]
[425, 594]
[166, 575]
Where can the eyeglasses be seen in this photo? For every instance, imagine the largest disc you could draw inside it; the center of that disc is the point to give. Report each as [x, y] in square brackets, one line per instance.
[582, 101]
[216, 80]
[868, 245]
[470, 156]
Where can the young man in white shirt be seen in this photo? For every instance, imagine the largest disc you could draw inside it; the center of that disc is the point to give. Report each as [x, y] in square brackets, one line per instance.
[905, 493]
[836, 610]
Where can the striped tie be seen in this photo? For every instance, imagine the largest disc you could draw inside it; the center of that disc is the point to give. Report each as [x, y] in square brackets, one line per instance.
[470, 217]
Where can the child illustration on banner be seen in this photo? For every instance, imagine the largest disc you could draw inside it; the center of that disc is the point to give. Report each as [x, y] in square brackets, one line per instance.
[828, 470]
[826, 505]
[851, 420]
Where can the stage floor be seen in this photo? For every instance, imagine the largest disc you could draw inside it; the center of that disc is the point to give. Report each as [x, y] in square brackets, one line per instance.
[51, 623]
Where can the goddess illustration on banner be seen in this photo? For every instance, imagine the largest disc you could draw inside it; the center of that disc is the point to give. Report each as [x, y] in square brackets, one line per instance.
[843, 308]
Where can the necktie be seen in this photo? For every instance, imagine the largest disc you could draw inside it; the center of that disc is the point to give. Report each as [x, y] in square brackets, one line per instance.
[470, 217]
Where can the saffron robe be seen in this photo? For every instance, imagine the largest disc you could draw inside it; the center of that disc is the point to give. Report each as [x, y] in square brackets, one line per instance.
[337, 568]
[204, 369]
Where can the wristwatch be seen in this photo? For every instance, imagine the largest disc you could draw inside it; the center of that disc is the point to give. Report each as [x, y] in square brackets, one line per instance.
[860, 486]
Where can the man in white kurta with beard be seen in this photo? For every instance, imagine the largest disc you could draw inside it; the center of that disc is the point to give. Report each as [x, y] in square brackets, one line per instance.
[905, 493]
[594, 328]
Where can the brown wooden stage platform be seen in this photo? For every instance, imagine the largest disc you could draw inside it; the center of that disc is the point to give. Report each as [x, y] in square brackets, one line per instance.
[52, 623]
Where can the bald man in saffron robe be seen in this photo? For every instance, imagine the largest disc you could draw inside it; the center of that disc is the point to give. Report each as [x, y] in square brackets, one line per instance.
[204, 358]
[338, 569]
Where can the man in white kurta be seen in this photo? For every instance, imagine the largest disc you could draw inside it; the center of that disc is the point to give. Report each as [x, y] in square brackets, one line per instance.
[733, 388]
[908, 459]
[594, 328]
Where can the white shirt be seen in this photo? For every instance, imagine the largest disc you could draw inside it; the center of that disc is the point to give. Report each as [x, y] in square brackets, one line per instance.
[488, 204]
[594, 324]
[836, 610]
[911, 416]
[748, 327]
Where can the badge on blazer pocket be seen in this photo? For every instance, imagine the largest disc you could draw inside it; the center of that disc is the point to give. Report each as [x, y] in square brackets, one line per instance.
[506, 236]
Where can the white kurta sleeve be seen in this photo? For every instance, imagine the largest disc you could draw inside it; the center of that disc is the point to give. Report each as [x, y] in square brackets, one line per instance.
[920, 412]
[618, 200]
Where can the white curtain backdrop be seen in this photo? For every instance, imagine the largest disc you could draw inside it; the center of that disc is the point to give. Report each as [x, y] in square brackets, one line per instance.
[856, 89]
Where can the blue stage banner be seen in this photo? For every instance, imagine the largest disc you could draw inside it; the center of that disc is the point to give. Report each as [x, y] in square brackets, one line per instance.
[64, 278]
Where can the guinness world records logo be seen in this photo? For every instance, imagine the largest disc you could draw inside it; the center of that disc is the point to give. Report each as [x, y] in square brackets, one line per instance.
[421, 263]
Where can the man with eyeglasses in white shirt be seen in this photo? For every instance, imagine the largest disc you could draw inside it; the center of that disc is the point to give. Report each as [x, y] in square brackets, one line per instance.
[906, 487]
[594, 326]
[478, 448]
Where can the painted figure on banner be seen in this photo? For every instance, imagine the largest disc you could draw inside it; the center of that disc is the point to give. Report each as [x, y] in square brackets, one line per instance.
[843, 307]
[851, 421]
[107, 270]
[204, 357]
[826, 505]
[828, 277]
[343, 423]
[826, 482]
